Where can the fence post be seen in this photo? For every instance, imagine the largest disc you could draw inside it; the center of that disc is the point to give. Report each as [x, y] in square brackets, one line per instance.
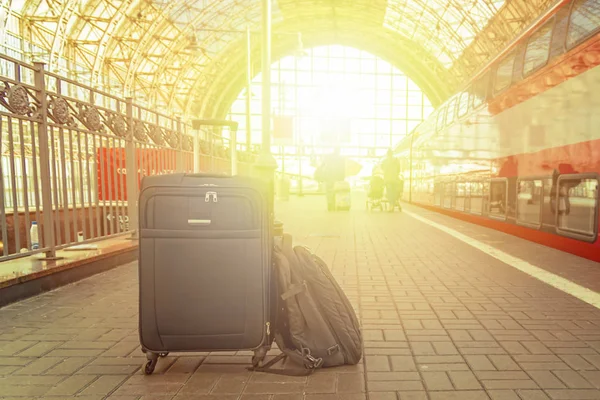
[132, 171]
[179, 161]
[49, 240]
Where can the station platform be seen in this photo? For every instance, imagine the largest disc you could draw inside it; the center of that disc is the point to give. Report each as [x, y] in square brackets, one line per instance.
[449, 310]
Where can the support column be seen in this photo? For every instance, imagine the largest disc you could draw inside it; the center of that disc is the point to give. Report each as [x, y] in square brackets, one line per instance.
[48, 238]
[300, 180]
[248, 90]
[410, 178]
[233, 146]
[266, 163]
[132, 173]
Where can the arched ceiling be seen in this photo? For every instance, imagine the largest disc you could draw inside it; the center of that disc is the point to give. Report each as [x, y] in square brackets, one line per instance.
[177, 53]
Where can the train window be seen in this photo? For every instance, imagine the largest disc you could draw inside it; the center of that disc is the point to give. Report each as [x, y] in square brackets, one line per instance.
[448, 194]
[451, 111]
[486, 197]
[576, 206]
[476, 197]
[530, 198]
[438, 188]
[504, 73]
[461, 194]
[463, 104]
[441, 119]
[548, 219]
[585, 20]
[480, 90]
[498, 194]
[538, 48]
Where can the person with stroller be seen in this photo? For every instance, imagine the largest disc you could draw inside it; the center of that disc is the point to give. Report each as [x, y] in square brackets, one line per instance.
[376, 190]
[393, 183]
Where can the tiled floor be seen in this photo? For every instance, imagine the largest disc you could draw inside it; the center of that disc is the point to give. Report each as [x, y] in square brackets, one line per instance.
[440, 321]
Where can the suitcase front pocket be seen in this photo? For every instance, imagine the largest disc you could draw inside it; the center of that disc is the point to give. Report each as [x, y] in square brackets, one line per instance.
[202, 211]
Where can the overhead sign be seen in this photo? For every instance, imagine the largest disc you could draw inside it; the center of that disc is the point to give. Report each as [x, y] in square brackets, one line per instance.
[283, 128]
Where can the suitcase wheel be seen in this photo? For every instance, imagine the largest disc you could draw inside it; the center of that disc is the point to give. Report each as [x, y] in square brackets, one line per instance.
[152, 361]
[149, 368]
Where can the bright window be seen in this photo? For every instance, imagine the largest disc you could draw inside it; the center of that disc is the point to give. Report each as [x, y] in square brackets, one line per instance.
[378, 102]
[504, 73]
[538, 48]
[585, 19]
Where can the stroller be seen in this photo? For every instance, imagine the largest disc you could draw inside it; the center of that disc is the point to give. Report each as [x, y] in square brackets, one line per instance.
[375, 193]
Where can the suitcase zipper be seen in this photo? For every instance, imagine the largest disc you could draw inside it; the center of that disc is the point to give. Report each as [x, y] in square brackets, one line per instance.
[209, 195]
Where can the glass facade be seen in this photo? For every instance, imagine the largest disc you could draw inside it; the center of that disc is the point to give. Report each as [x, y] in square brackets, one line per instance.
[336, 95]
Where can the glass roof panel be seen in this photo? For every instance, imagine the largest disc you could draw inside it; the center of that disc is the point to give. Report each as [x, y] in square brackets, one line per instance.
[458, 23]
[122, 33]
[442, 27]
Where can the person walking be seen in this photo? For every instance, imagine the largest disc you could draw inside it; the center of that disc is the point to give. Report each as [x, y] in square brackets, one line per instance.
[391, 173]
[331, 171]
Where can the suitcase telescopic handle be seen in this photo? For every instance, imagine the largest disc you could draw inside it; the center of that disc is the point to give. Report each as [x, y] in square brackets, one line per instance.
[206, 175]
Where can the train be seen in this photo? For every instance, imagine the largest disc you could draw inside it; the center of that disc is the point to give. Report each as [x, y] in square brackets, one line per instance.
[517, 148]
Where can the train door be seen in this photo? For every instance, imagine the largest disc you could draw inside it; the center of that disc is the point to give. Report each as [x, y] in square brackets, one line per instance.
[497, 198]
[576, 210]
[529, 202]
[548, 217]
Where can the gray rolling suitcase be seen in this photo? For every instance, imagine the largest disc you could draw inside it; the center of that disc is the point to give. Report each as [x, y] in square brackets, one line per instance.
[204, 265]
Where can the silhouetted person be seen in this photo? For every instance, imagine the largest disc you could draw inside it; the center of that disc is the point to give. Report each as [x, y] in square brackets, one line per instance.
[391, 173]
[331, 171]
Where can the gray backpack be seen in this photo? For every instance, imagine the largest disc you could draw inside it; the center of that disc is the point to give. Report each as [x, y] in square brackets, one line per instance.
[316, 324]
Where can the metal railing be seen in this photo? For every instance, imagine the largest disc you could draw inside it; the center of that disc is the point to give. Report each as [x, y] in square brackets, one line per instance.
[72, 157]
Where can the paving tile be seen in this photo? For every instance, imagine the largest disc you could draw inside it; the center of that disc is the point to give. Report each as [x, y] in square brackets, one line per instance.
[459, 395]
[464, 380]
[72, 385]
[573, 394]
[321, 383]
[573, 379]
[532, 395]
[104, 385]
[546, 379]
[437, 381]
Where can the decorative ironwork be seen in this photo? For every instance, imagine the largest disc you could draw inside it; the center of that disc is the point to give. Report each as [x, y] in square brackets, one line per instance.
[90, 117]
[59, 111]
[139, 132]
[204, 147]
[16, 99]
[116, 123]
[19, 100]
[173, 138]
[156, 134]
[187, 143]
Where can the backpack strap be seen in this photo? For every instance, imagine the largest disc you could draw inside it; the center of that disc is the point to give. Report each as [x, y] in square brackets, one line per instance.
[294, 290]
[303, 357]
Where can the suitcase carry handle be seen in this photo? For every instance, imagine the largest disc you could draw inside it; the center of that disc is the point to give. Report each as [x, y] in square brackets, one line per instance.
[199, 222]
